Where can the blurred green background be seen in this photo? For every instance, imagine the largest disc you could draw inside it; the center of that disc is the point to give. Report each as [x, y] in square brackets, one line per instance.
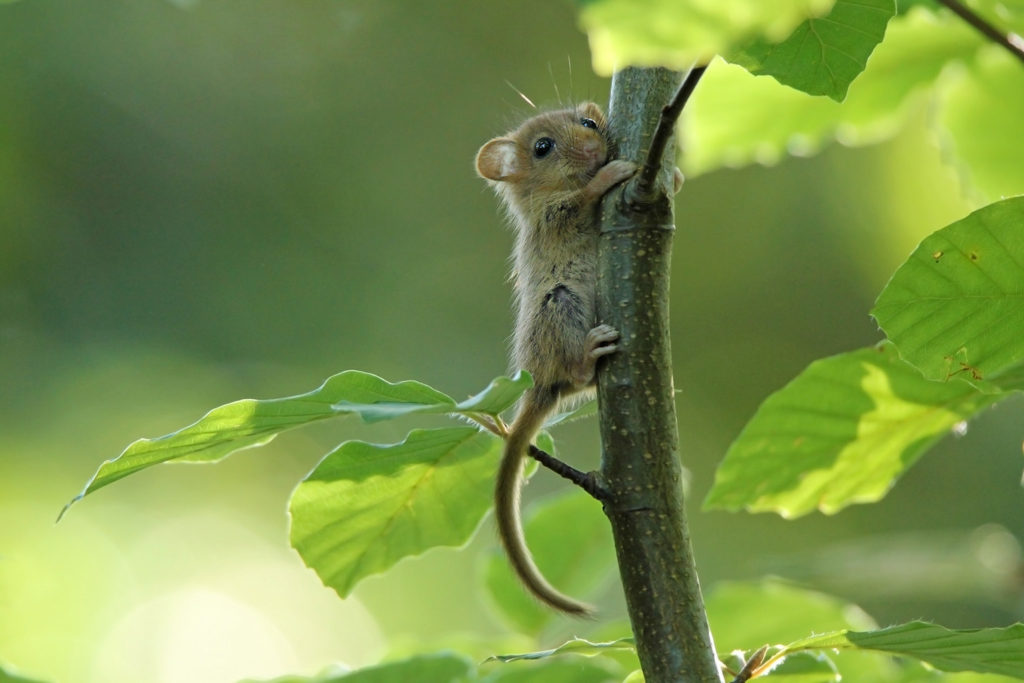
[204, 201]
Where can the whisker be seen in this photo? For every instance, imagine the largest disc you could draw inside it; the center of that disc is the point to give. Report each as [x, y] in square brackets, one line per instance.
[554, 82]
[521, 94]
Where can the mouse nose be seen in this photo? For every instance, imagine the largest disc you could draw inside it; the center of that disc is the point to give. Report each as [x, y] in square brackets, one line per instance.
[592, 149]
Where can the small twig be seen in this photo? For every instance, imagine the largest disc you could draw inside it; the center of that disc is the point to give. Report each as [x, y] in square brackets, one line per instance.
[751, 666]
[585, 480]
[648, 175]
[1011, 41]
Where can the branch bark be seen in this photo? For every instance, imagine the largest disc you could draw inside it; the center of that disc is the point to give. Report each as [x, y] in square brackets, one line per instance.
[640, 466]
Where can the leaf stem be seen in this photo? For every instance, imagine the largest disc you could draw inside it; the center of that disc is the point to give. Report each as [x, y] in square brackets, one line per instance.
[752, 667]
[1009, 40]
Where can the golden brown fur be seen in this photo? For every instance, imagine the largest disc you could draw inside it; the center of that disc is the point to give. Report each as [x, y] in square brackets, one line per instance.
[551, 192]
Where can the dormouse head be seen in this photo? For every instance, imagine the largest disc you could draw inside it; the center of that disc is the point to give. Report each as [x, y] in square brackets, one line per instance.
[559, 150]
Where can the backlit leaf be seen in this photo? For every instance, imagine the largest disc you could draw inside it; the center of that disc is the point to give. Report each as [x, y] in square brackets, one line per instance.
[824, 54]
[367, 506]
[676, 33]
[955, 308]
[842, 432]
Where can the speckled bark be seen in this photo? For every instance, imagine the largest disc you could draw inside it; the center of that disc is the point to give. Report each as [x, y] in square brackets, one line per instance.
[640, 460]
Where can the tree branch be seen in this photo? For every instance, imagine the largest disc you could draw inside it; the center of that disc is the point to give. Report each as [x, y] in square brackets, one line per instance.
[648, 175]
[640, 465]
[1010, 41]
[588, 481]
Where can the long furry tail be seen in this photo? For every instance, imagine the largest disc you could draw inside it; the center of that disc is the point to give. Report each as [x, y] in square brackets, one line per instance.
[536, 406]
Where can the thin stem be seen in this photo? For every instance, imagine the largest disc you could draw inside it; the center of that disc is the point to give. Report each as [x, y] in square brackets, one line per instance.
[751, 667]
[585, 480]
[1010, 41]
[666, 125]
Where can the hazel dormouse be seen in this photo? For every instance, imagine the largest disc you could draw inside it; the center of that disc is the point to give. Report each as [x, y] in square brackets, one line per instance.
[550, 174]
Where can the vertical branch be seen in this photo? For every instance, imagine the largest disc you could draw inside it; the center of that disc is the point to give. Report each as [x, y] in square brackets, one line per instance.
[640, 464]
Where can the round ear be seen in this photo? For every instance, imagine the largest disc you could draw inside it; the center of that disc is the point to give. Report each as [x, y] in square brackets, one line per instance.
[498, 160]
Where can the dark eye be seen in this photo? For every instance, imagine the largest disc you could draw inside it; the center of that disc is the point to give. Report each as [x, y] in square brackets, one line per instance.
[542, 147]
[589, 123]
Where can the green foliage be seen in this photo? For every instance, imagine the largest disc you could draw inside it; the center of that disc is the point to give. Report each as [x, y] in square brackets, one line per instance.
[955, 309]
[448, 667]
[824, 54]
[737, 119]
[8, 676]
[676, 34]
[845, 429]
[843, 653]
[841, 432]
[250, 423]
[984, 650]
[578, 646]
[972, 110]
[366, 506]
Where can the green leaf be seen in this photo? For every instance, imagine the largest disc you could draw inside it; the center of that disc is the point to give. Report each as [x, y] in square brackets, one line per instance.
[735, 118]
[7, 675]
[557, 671]
[250, 423]
[586, 409]
[576, 646]
[441, 667]
[842, 432]
[976, 114]
[824, 54]
[805, 667]
[366, 506]
[786, 612]
[984, 650]
[575, 563]
[955, 309]
[676, 34]
[499, 395]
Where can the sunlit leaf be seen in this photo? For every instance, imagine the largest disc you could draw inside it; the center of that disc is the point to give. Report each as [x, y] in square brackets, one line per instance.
[586, 409]
[984, 650]
[557, 670]
[955, 309]
[824, 54]
[7, 674]
[735, 118]
[842, 432]
[576, 646]
[499, 395]
[250, 423]
[446, 667]
[805, 667]
[675, 34]
[367, 506]
[976, 113]
[786, 612]
[575, 562]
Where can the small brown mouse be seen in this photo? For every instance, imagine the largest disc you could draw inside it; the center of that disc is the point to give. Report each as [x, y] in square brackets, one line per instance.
[550, 174]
